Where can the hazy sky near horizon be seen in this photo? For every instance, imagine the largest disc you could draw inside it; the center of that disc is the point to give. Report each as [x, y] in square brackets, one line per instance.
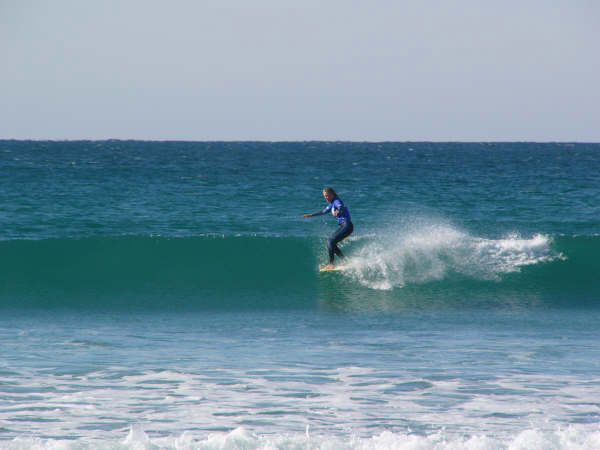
[312, 70]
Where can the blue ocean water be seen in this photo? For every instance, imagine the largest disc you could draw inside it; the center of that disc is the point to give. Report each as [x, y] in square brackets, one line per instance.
[167, 295]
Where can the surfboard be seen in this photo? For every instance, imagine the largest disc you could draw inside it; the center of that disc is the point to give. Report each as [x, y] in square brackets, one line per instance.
[333, 269]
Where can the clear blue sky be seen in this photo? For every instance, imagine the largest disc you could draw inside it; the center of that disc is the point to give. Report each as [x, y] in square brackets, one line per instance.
[281, 70]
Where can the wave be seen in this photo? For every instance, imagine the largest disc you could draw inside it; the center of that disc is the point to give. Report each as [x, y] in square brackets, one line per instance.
[153, 271]
[436, 262]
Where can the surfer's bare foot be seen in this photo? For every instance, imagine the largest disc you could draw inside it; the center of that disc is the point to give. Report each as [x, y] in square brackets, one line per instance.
[329, 266]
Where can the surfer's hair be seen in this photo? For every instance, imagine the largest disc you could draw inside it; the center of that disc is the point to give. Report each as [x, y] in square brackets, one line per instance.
[330, 190]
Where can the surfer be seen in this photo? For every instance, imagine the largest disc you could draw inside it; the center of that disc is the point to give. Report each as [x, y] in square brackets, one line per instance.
[341, 213]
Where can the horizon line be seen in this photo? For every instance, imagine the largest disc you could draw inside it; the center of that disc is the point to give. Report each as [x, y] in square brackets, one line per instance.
[289, 141]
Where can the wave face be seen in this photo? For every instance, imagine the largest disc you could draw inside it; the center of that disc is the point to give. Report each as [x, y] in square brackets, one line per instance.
[135, 270]
[435, 262]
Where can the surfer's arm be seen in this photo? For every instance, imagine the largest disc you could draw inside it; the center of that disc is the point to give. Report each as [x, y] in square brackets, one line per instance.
[319, 213]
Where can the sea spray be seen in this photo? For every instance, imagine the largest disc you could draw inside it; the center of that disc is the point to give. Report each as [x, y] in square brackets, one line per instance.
[429, 252]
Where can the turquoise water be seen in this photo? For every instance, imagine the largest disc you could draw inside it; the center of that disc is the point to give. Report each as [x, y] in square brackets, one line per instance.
[167, 295]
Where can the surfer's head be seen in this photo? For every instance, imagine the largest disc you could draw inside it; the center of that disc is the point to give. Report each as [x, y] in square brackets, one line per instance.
[329, 194]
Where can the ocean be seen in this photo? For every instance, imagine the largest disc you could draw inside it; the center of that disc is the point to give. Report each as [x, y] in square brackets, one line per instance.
[167, 295]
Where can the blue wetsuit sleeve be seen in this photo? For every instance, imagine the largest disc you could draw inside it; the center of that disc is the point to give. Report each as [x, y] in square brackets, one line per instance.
[324, 211]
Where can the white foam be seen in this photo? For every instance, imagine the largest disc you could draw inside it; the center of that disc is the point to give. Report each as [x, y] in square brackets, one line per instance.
[425, 252]
[570, 438]
[169, 409]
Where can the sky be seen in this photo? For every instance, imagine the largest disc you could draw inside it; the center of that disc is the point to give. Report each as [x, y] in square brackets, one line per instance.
[273, 70]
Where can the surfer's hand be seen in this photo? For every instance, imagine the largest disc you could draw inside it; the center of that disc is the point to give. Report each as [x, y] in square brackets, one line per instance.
[306, 215]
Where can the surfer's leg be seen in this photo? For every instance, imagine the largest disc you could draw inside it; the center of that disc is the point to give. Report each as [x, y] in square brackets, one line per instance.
[342, 232]
[330, 250]
[332, 247]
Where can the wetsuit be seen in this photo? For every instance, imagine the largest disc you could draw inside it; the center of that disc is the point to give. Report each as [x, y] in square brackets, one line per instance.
[345, 227]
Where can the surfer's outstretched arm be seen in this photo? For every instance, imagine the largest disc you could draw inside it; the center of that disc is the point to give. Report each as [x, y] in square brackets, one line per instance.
[318, 213]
